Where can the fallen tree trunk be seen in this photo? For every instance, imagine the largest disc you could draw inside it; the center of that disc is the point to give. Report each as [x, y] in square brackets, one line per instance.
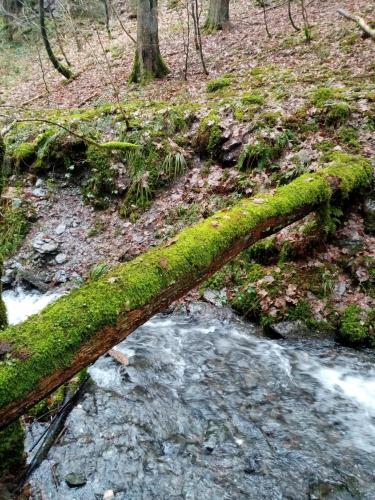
[49, 348]
[360, 21]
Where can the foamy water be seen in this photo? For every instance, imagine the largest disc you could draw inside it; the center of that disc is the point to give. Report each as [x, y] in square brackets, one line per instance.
[21, 303]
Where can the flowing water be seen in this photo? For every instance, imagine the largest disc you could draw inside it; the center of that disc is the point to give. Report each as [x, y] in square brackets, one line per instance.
[208, 409]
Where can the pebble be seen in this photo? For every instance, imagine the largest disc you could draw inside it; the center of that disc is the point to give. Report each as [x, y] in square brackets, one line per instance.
[61, 258]
[108, 494]
[60, 229]
[75, 480]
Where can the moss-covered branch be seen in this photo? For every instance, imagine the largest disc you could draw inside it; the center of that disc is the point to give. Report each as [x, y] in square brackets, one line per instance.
[49, 348]
[110, 145]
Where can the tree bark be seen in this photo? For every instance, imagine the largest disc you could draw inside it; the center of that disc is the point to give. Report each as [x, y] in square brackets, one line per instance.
[148, 62]
[49, 348]
[63, 70]
[218, 15]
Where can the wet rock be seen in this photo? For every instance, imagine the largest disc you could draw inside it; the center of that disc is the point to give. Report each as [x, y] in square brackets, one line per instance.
[45, 245]
[61, 258]
[216, 297]
[60, 229]
[8, 277]
[75, 480]
[60, 277]
[369, 214]
[288, 329]
[33, 278]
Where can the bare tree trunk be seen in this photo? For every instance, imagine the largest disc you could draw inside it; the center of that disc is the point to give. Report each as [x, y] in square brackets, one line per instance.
[148, 62]
[106, 10]
[290, 15]
[63, 70]
[218, 15]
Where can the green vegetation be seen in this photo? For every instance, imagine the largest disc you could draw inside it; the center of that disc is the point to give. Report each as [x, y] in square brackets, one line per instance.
[354, 327]
[11, 448]
[208, 139]
[14, 226]
[218, 84]
[253, 98]
[261, 153]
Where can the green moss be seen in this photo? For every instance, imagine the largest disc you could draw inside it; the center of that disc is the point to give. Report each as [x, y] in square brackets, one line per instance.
[322, 95]
[269, 119]
[11, 448]
[118, 146]
[25, 152]
[218, 83]
[53, 338]
[353, 328]
[13, 228]
[253, 98]
[263, 151]
[101, 185]
[336, 113]
[209, 136]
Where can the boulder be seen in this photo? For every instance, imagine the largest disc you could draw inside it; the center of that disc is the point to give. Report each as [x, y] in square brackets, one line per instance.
[289, 329]
[45, 245]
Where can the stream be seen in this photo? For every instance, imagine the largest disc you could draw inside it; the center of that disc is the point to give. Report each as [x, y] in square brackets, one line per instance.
[207, 408]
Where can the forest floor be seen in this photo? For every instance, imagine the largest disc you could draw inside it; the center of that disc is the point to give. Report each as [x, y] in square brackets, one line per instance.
[282, 78]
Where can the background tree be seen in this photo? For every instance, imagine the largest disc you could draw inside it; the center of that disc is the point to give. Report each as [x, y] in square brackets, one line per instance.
[218, 15]
[60, 67]
[148, 63]
[10, 9]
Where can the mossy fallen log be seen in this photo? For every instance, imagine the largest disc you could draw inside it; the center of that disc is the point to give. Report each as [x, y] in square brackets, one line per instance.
[49, 348]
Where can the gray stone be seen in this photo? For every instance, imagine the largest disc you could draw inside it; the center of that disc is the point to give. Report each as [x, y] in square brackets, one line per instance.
[32, 277]
[75, 480]
[60, 229]
[216, 297]
[353, 243]
[304, 156]
[38, 193]
[60, 277]
[289, 329]
[45, 245]
[16, 203]
[369, 214]
[39, 183]
[61, 258]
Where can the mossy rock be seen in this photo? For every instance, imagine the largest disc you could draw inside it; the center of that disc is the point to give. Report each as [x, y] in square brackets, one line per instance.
[209, 137]
[263, 151]
[355, 326]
